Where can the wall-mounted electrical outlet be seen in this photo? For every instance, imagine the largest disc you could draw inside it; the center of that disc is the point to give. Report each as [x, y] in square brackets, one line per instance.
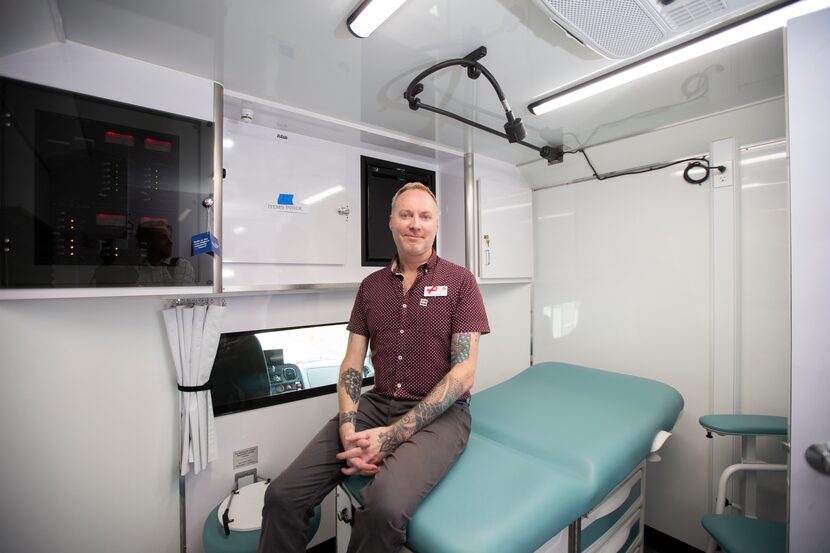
[722, 178]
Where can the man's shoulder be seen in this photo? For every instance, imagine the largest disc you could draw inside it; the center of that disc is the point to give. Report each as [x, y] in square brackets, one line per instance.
[378, 276]
[454, 268]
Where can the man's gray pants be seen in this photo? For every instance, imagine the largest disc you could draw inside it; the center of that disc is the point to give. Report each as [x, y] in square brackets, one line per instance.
[405, 478]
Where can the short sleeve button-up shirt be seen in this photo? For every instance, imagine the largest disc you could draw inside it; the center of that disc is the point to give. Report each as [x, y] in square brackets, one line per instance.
[410, 334]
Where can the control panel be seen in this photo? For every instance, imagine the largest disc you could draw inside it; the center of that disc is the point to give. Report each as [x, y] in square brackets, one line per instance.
[284, 378]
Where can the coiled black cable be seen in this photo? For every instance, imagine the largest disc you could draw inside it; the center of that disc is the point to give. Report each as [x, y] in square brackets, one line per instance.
[694, 163]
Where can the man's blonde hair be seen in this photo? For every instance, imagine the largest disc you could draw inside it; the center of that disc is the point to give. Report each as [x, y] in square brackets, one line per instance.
[414, 186]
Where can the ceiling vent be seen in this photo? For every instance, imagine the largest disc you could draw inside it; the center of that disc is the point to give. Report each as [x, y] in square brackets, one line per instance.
[619, 29]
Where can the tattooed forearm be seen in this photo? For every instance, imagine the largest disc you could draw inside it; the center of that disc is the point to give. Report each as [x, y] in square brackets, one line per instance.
[350, 381]
[436, 402]
[348, 416]
[389, 441]
[460, 347]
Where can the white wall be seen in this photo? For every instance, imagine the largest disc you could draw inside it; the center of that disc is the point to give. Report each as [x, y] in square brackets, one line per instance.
[87, 70]
[624, 282]
[764, 344]
[89, 426]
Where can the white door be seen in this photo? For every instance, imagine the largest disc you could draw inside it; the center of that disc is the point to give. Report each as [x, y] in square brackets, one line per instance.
[808, 90]
[506, 222]
[281, 203]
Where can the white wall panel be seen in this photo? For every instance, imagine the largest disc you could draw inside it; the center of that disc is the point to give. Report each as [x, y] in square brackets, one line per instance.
[78, 68]
[504, 352]
[750, 124]
[623, 282]
[89, 425]
[451, 197]
[764, 335]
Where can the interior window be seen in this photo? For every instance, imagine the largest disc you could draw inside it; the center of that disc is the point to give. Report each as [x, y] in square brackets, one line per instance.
[264, 367]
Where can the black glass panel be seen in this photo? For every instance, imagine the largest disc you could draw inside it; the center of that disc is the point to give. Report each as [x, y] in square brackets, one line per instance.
[97, 193]
[380, 180]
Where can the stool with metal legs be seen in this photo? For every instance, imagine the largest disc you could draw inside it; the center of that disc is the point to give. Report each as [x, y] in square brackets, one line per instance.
[744, 534]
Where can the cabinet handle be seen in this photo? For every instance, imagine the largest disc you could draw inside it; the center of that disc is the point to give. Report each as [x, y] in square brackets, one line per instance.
[818, 457]
[487, 252]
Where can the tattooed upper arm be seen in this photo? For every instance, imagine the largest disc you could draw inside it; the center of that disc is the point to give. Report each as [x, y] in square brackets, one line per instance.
[460, 346]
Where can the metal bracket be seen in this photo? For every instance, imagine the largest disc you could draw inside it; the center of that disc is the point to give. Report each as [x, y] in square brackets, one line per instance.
[474, 71]
[346, 515]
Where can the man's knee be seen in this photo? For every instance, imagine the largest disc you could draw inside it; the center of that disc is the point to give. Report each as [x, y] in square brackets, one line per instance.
[278, 498]
[389, 503]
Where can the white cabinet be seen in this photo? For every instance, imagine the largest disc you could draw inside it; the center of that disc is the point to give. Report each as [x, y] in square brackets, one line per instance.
[506, 230]
[284, 198]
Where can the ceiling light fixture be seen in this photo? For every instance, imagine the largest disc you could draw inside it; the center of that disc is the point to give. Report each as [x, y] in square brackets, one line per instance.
[758, 25]
[370, 14]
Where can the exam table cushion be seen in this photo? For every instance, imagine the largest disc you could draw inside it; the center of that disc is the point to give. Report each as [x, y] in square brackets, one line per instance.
[466, 512]
[739, 534]
[750, 425]
[546, 446]
[597, 424]
[495, 499]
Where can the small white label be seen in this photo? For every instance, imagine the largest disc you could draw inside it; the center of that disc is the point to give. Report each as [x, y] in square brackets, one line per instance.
[430, 291]
[245, 457]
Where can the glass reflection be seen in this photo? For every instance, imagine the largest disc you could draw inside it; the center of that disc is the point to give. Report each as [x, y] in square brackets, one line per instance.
[258, 365]
[564, 318]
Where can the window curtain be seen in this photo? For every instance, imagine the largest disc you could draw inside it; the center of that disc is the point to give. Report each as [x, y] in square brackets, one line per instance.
[193, 333]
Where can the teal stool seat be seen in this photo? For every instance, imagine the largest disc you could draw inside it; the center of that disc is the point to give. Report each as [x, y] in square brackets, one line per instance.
[215, 540]
[757, 425]
[738, 534]
[354, 485]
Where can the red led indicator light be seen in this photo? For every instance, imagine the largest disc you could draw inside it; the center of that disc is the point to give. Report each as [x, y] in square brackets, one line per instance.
[111, 137]
[158, 145]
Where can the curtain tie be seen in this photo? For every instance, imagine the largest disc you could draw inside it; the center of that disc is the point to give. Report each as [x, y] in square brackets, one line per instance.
[206, 386]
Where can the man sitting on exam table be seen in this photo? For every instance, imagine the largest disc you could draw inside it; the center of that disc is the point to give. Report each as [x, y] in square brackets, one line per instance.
[423, 317]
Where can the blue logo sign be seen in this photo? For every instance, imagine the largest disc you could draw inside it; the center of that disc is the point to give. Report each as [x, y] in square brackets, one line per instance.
[285, 199]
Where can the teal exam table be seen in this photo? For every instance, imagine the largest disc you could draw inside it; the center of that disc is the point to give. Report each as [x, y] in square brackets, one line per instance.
[557, 446]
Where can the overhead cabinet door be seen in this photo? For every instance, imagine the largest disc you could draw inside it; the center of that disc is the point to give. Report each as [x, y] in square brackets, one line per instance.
[506, 223]
[283, 204]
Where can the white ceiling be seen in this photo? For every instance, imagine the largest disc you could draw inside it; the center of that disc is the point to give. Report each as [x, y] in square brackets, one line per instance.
[299, 53]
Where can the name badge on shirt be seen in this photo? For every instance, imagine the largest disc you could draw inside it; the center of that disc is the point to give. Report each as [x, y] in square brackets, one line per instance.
[435, 291]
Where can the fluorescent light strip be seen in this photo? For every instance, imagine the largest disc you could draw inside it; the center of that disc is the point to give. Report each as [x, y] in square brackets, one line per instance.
[369, 16]
[728, 37]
